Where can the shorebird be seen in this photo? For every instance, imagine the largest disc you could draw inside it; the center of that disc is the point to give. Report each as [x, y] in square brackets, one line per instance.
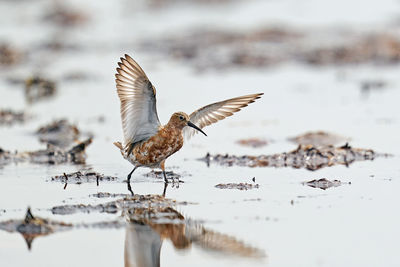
[147, 143]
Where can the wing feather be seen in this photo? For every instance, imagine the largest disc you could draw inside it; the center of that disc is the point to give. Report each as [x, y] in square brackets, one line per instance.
[218, 111]
[138, 102]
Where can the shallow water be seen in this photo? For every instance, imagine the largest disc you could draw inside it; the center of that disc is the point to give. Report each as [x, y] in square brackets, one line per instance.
[291, 223]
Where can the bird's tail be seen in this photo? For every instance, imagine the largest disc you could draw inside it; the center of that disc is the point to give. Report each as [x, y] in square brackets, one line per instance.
[118, 144]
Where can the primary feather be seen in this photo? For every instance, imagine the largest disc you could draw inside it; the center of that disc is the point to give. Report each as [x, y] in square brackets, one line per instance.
[218, 111]
[138, 102]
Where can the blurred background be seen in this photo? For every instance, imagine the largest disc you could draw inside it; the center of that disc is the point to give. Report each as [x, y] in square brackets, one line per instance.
[330, 66]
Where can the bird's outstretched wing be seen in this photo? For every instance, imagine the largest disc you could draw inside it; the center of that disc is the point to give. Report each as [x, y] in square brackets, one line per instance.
[218, 111]
[138, 102]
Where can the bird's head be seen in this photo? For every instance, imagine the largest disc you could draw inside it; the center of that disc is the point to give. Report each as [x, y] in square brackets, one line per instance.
[181, 119]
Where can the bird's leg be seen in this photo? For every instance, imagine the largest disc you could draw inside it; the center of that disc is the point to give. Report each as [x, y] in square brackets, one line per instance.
[162, 165]
[129, 180]
[165, 177]
[130, 189]
[165, 189]
[130, 174]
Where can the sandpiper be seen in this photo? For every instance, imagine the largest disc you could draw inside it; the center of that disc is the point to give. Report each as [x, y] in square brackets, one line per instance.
[147, 143]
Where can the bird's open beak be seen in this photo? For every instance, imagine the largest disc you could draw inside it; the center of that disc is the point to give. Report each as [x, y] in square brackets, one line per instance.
[197, 128]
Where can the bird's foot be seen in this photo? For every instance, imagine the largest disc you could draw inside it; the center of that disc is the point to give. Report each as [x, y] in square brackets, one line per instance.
[130, 188]
[165, 189]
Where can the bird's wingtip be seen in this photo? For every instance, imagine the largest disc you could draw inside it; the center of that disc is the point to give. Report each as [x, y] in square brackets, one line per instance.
[128, 57]
[258, 95]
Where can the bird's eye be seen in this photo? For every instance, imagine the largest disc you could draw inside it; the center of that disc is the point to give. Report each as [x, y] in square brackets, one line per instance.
[181, 118]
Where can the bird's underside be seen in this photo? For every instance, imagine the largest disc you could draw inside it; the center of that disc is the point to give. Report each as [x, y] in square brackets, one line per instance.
[146, 142]
[155, 150]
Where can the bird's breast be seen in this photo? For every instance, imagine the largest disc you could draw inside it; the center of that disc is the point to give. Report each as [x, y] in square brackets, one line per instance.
[158, 147]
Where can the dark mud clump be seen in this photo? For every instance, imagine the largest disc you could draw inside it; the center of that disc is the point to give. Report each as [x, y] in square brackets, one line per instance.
[82, 177]
[123, 204]
[9, 117]
[305, 156]
[253, 142]
[240, 186]
[318, 139]
[108, 195]
[5, 157]
[38, 88]
[50, 155]
[32, 227]
[56, 155]
[323, 183]
[60, 133]
[9, 55]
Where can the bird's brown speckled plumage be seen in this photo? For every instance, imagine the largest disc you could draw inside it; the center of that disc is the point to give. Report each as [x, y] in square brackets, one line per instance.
[146, 142]
[159, 147]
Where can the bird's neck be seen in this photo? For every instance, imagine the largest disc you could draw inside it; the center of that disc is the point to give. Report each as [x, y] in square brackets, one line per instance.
[170, 126]
[172, 129]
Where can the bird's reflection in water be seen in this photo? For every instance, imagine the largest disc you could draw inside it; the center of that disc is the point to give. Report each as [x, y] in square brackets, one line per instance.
[151, 220]
[148, 227]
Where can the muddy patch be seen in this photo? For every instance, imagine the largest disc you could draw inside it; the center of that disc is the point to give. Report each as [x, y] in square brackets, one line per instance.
[55, 155]
[65, 16]
[223, 49]
[323, 183]
[36, 88]
[108, 195]
[220, 49]
[378, 48]
[9, 55]
[50, 155]
[318, 139]
[39, 88]
[82, 177]
[239, 186]
[60, 133]
[10, 117]
[305, 156]
[253, 142]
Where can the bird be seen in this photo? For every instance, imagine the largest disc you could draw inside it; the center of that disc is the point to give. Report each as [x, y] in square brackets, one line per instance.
[147, 143]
